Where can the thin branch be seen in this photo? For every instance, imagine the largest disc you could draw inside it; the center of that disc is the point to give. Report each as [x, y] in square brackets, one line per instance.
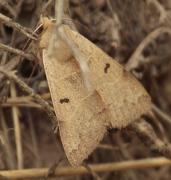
[25, 101]
[9, 152]
[161, 9]
[109, 147]
[94, 174]
[34, 140]
[126, 155]
[59, 6]
[58, 13]
[77, 54]
[17, 130]
[16, 51]
[31, 92]
[148, 136]
[134, 60]
[9, 22]
[5, 4]
[142, 128]
[162, 114]
[114, 15]
[22, 104]
[45, 7]
[100, 168]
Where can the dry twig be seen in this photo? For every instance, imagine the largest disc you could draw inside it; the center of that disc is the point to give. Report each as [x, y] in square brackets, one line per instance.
[31, 92]
[9, 22]
[163, 12]
[100, 168]
[161, 114]
[34, 140]
[9, 152]
[146, 133]
[125, 153]
[5, 4]
[17, 130]
[25, 101]
[95, 175]
[16, 51]
[134, 60]
[79, 56]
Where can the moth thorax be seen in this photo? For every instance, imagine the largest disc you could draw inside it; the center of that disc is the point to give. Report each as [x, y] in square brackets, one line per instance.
[62, 51]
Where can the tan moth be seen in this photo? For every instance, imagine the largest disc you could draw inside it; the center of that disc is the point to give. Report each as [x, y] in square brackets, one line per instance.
[117, 98]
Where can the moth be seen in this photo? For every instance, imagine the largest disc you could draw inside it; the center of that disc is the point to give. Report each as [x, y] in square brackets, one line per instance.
[84, 117]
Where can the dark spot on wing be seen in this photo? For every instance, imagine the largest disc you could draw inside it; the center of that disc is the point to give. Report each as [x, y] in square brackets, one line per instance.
[106, 67]
[64, 100]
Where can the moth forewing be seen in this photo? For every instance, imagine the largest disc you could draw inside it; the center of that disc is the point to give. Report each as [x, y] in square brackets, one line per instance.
[118, 98]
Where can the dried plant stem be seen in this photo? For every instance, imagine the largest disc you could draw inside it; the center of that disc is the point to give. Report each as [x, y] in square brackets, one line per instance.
[5, 4]
[162, 114]
[58, 13]
[146, 133]
[22, 104]
[26, 101]
[130, 174]
[77, 54]
[94, 174]
[143, 129]
[115, 17]
[48, 3]
[34, 140]
[109, 147]
[134, 60]
[59, 6]
[17, 130]
[161, 9]
[9, 152]
[100, 168]
[31, 92]
[16, 51]
[9, 22]
[159, 127]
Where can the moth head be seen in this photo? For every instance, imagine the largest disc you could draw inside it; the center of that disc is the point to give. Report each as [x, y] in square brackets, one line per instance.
[59, 48]
[48, 27]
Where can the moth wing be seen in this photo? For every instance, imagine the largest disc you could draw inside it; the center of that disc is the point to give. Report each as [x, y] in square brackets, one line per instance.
[125, 98]
[82, 117]
[84, 130]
